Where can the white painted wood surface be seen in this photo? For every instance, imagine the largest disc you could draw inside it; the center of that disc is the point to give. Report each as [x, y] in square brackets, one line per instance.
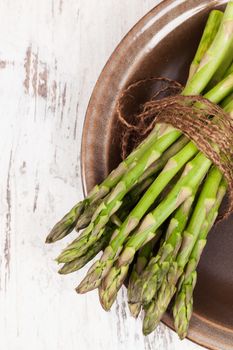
[51, 53]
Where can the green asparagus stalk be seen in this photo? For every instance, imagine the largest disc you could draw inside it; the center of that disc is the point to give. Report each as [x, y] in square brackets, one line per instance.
[155, 309]
[227, 100]
[111, 284]
[182, 309]
[143, 257]
[202, 209]
[210, 31]
[114, 280]
[86, 216]
[78, 263]
[158, 165]
[166, 252]
[66, 224]
[152, 277]
[214, 55]
[221, 90]
[229, 70]
[222, 71]
[204, 205]
[229, 107]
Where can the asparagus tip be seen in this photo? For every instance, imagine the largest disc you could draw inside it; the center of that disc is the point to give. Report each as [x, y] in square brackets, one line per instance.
[85, 287]
[105, 299]
[49, 239]
[62, 271]
[134, 309]
[82, 288]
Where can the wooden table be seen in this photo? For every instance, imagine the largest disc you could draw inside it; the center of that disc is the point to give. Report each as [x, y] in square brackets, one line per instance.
[51, 53]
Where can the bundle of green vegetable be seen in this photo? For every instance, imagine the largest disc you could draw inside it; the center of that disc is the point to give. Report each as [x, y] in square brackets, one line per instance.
[155, 210]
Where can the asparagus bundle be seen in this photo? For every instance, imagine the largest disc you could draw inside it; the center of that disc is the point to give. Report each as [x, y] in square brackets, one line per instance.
[166, 193]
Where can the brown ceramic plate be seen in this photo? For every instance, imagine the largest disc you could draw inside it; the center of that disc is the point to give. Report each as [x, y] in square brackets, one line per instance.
[162, 44]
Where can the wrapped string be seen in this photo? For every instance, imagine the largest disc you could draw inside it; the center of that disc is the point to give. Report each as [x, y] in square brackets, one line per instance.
[158, 100]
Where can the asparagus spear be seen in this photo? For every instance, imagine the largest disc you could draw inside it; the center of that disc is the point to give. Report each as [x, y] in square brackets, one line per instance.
[86, 216]
[221, 90]
[182, 309]
[114, 280]
[227, 100]
[214, 55]
[156, 308]
[229, 70]
[229, 107]
[143, 257]
[158, 266]
[205, 203]
[209, 33]
[63, 227]
[78, 263]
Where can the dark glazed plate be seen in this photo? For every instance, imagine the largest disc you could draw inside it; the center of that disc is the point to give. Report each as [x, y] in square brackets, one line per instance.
[162, 44]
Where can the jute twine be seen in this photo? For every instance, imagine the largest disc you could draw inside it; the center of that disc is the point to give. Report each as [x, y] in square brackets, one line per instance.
[158, 100]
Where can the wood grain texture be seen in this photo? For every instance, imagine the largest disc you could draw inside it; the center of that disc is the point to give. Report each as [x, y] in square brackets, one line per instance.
[51, 54]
